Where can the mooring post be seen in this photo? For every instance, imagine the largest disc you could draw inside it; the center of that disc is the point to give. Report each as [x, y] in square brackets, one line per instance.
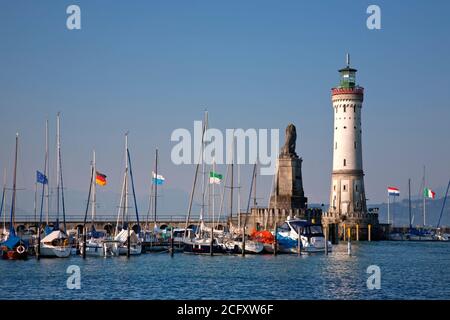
[275, 244]
[243, 244]
[171, 243]
[349, 243]
[211, 247]
[369, 232]
[357, 232]
[128, 243]
[84, 243]
[326, 240]
[38, 247]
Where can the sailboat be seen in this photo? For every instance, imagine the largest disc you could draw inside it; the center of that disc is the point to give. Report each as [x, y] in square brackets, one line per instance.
[238, 241]
[14, 248]
[155, 239]
[56, 243]
[96, 245]
[204, 241]
[4, 233]
[127, 241]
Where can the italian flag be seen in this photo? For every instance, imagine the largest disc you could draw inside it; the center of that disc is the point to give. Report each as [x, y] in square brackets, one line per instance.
[214, 177]
[428, 193]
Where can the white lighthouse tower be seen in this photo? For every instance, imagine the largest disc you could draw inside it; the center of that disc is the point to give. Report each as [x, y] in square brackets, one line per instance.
[347, 197]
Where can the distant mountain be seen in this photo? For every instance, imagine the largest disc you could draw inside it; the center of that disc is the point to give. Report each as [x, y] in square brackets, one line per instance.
[400, 211]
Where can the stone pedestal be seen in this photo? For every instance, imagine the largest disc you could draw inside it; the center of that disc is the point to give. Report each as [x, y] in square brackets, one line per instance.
[288, 190]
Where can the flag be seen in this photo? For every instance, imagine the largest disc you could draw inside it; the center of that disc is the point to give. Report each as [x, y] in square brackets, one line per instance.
[157, 179]
[100, 179]
[428, 193]
[393, 191]
[215, 177]
[41, 178]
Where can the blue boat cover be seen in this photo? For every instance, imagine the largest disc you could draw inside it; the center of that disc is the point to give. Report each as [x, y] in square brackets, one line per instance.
[48, 230]
[11, 242]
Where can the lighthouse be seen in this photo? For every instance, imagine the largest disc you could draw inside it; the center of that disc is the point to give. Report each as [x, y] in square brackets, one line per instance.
[348, 210]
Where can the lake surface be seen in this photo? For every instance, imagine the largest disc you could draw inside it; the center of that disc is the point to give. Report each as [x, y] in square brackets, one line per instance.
[408, 271]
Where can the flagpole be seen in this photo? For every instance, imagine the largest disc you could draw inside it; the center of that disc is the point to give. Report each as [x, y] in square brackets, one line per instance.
[35, 201]
[94, 197]
[393, 211]
[424, 201]
[388, 207]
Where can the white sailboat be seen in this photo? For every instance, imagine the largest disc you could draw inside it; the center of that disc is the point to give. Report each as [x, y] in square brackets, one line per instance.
[4, 233]
[95, 246]
[126, 242]
[56, 243]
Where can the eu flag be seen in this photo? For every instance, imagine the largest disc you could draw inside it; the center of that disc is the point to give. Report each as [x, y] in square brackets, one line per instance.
[41, 178]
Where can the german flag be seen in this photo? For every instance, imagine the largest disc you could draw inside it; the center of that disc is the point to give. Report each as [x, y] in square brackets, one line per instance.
[100, 179]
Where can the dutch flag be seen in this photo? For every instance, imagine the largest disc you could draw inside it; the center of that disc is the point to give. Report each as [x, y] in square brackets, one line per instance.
[393, 191]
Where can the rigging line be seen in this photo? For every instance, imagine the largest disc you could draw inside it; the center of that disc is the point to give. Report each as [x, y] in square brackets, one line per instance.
[443, 205]
[191, 198]
[134, 193]
[222, 196]
[62, 192]
[89, 198]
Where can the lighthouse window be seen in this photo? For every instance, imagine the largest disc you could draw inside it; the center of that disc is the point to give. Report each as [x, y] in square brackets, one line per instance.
[344, 108]
[334, 188]
[354, 109]
[345, 127]
[345, 187]
[345, 162]
[356, 187]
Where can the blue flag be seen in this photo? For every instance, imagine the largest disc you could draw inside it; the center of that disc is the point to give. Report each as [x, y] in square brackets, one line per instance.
[41, 178]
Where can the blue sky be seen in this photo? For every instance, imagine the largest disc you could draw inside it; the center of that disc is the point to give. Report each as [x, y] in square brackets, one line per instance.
[153, 66]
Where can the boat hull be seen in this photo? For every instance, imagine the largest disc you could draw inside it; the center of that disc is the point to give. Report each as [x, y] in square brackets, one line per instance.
[47, 251]
[194, 248]
[14, 255]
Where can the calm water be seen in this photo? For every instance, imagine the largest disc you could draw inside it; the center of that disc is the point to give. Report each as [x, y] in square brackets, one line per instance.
[408, 271]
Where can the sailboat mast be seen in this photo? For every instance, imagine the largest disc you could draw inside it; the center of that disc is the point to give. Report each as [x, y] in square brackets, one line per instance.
[255, 203]
[46, 173]
[94, 196]
[58, 180]
[409, 201]
[191, 198]
[2, 207]
[126, 177]
[213, 198]
[232, 179]
[239, 194]
[424, 198]
[156, 185]
[13, 202]
[202, 211]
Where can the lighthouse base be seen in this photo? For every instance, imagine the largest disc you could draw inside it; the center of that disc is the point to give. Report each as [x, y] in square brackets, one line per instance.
[359, 226]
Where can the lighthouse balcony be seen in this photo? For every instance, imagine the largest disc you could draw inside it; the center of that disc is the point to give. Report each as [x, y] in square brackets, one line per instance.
[350, 90]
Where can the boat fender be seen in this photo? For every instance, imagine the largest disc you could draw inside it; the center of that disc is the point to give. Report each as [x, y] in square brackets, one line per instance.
[20, 249]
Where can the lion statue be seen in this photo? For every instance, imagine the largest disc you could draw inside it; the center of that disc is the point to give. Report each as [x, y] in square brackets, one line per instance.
[288, 149]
